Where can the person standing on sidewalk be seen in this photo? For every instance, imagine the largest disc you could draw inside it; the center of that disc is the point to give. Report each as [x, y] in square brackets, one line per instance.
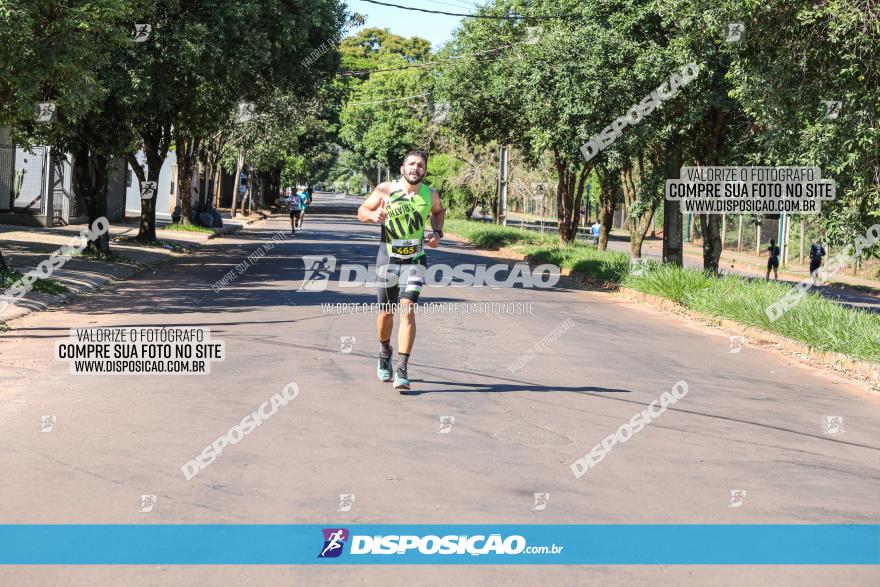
[773, 261]
[817, 251]
[595, 230]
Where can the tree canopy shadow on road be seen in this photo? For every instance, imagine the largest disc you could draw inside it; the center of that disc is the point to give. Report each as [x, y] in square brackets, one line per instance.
[183, 285]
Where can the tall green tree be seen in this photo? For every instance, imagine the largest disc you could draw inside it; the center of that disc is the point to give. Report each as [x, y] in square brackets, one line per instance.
[204, 58]
[386, 112]
[58, 52]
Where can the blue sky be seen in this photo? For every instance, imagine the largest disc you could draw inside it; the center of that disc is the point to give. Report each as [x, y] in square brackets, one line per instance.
[434, 27]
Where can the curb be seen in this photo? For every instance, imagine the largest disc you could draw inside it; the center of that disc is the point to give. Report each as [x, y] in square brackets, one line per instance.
[840, 363]
[234, 228]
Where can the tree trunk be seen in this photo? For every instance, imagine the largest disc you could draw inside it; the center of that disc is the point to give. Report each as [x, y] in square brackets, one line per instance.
[264, 189]
[672, 237]
[673, 221]
[711, 223]
[610, 183]
[3, 265]
[639, 229]
[711, 226]
[186, 150]
[631, 180]
[236, 183]
[218, 181]
[245, 198]
[568, 197]
[155, 149]
[147, 229]
[90, 184]
[473, 208]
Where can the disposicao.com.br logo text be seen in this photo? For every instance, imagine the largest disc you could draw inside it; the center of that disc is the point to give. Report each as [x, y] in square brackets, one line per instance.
[392, 544]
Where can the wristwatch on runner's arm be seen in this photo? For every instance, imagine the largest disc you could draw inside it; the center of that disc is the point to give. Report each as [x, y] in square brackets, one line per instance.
[439, 233]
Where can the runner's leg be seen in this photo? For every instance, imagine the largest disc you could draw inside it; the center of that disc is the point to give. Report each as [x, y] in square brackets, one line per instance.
[412, 278]
[387, 296]
[406, 336]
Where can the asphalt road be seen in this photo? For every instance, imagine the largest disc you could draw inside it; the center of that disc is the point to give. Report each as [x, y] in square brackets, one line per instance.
[752, 421]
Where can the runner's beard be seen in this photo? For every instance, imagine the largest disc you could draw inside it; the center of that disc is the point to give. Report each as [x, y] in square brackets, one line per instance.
[411, 182]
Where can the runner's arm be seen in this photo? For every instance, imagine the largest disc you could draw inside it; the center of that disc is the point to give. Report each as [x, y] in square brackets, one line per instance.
[367, 212]
[438, 212]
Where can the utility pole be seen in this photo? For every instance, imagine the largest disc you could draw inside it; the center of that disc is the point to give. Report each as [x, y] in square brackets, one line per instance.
[739, 235]
[541, 193]
[781, 239]
[803, 233]
[587, 206]
[503, 180]
[378, 174]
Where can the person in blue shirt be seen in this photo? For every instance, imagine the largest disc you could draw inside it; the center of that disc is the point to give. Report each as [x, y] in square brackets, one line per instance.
[594, 230]
[305, 199]
[295, 209]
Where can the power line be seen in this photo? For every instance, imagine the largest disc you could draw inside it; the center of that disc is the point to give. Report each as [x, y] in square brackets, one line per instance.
[485, 16]
[430, 63]
[457, 4]
[388, 100]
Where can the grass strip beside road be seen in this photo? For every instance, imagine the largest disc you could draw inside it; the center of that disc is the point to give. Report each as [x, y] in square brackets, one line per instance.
[815, 321]
[49, 286]
[187, 228]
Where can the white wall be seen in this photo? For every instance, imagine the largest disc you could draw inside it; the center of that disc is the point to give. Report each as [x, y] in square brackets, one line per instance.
[133, 192]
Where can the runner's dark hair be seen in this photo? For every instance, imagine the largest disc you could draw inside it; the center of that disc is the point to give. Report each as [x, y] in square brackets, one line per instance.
[417, 153]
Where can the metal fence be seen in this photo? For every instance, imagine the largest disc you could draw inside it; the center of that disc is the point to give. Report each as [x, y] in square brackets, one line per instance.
[36, 180]
[23, 179]
[64, 205]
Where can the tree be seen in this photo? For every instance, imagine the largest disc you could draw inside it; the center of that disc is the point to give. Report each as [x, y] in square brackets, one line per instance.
[385, 114]
[203, 58]
[47, 52]
[550, 91]
[798, 56]
[58, 52]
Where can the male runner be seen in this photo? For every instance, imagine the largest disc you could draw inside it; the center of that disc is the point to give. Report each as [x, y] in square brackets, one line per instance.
[402, 209]
[295, 210]
[305, 200]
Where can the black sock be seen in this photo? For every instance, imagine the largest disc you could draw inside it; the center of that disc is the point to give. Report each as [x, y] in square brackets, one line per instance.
[386, 349]
[402, 360]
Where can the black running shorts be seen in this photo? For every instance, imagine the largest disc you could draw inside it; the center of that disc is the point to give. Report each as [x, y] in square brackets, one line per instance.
[399, 280]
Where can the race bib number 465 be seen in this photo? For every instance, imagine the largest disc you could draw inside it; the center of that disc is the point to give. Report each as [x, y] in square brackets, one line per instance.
[405, 248]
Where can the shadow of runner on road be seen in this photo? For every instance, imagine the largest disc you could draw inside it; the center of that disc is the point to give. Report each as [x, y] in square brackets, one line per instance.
[504, 387]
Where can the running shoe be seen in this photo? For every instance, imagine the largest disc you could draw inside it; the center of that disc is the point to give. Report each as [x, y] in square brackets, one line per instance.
[383, 369]
[401, 380]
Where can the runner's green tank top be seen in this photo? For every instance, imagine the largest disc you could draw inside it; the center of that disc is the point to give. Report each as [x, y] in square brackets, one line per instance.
[403, 232]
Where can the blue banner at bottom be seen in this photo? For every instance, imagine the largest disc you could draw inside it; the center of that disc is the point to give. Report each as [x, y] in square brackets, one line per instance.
[267, 544]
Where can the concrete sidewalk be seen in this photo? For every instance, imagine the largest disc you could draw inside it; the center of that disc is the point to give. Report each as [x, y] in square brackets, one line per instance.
[24, 248]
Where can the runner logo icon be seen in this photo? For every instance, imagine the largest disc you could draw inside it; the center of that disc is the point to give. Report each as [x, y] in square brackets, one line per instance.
[318, 270]
[334, 540]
